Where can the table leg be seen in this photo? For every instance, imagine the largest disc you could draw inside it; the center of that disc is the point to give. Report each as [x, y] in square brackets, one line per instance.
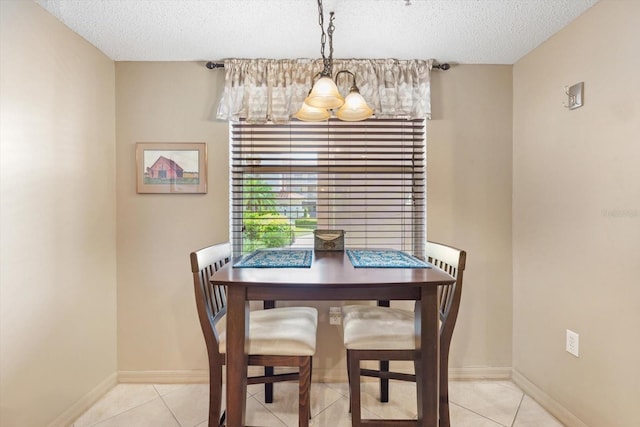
[237, 345]
[427, 340]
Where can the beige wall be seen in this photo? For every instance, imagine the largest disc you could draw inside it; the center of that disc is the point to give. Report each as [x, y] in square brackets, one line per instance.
[58, 273]
[157, 322]
[469, 206]
[576, 217]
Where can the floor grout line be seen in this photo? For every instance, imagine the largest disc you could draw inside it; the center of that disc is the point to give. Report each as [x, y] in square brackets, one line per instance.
[171, 412]
[515, 417]
[478, 414]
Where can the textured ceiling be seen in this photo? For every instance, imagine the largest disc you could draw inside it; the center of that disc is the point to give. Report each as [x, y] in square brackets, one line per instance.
[455, 31]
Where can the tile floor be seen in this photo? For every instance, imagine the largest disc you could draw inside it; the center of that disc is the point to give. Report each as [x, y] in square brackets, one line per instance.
[472, 403]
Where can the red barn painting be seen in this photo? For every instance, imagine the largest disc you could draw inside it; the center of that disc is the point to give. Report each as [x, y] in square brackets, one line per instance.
[164, 168]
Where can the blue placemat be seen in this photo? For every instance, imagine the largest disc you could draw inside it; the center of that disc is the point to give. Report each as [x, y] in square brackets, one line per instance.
[367, 258]
[277, 258]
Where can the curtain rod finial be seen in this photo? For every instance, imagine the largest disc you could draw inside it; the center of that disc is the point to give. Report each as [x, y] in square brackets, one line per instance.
[443, 67]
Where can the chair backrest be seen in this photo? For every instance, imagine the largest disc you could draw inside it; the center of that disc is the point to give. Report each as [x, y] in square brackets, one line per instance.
[452, 261]
[211, 300]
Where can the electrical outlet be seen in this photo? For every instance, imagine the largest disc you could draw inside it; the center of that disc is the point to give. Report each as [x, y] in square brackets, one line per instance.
[573, 343]
[335, 316]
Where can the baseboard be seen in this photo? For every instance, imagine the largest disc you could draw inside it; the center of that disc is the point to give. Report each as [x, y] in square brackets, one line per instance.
[164, 377]
[480, 373]
[74, 411]
[546, 401]
[319, 375]
[175, 377]
[202, 377]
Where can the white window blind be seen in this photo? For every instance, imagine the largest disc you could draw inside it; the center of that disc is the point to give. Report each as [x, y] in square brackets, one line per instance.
[366, 178]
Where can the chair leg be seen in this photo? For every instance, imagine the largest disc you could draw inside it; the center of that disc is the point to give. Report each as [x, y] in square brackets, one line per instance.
[354, 388]
[268, 387]
[304, 393]
[384, 365]
[268, 370]
[419, 390]
[444, 390]
[349, 376]
[310, 380]
[215, 395]
[384, 382]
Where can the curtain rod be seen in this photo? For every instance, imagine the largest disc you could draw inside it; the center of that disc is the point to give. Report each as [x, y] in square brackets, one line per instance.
[213, 65]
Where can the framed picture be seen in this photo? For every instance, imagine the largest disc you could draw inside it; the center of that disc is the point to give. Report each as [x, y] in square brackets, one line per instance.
[171, 168]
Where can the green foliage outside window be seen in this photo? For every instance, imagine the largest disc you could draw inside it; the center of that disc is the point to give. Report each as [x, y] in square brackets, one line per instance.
[264, 227]
[311, 223]
[261, 197]
[264, 230]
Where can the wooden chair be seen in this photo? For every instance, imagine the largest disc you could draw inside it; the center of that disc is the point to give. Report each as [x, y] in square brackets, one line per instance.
[383, 333]
[277, 337]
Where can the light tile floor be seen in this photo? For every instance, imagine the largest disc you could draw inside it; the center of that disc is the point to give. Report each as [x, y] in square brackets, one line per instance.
[472, 404]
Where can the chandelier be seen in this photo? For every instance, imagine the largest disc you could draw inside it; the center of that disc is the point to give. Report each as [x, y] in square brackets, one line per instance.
[325, 96]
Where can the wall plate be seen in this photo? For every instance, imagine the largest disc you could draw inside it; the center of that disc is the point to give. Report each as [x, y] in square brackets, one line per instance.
[574, 93]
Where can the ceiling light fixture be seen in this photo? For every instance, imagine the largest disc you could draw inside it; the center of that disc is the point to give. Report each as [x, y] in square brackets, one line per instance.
[325, 96]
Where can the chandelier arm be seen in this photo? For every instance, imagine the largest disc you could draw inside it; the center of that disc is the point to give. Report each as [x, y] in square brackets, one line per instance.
[354, 86]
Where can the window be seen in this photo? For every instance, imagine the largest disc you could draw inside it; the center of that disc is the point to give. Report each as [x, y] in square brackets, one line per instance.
[366, 178]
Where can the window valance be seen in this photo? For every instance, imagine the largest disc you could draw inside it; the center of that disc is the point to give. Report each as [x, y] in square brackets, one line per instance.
[262, 90]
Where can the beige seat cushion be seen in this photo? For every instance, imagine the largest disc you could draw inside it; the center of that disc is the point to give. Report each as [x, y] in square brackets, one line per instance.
[286, 331]
[377, 328]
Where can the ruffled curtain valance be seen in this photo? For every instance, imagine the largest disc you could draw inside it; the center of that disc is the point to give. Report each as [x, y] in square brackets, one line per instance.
[261, 90]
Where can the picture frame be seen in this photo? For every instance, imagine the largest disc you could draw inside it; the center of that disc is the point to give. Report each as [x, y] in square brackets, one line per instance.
[171, 168]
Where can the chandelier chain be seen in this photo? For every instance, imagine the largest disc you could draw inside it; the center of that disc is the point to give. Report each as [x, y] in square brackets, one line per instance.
[323, 38]
[326, 62]
[330, 33]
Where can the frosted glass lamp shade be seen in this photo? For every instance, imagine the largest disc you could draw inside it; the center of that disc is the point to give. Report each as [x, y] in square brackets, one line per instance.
[355, 108]
[324, 94]
[308, 113]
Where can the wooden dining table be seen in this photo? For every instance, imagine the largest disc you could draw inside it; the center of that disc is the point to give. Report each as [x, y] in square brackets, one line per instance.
[332, 277]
